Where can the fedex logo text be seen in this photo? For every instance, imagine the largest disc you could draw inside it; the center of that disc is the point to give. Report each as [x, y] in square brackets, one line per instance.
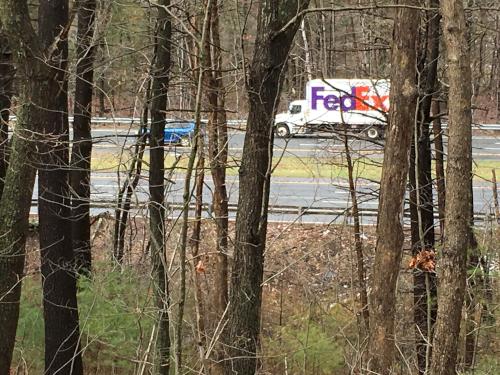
[361, 98]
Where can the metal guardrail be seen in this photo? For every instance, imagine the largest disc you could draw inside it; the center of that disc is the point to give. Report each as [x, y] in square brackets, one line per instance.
[137, 120]
[131, 120]
[300, 211]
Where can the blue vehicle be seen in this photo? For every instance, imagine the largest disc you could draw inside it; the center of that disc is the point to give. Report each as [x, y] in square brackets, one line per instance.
[178, 132]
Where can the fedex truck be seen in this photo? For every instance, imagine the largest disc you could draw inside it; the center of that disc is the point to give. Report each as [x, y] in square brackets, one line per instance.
[356, 105]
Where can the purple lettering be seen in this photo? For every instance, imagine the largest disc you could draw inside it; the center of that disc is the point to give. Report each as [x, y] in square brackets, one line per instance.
[315, 96]
[331, 102]
[348, 102]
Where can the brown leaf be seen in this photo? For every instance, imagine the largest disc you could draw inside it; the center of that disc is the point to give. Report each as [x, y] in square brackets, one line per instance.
[200, 267]
[425, 260]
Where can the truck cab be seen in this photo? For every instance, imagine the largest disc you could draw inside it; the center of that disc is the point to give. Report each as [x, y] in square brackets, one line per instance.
[293, 121]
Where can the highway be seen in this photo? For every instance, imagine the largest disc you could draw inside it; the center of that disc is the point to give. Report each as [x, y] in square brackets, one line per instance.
[285, 191]
[485, 147]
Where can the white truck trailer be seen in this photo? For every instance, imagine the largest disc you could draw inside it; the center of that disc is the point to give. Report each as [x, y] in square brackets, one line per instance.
[332, 105]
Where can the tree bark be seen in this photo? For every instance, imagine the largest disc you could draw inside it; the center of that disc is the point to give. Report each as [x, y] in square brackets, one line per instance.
[392, 189]
[218, 149]
[6, 78]
[62, 351]
[217, 154]
[186, 196]
[195, 253]
[81, 152]
[266, 74]
[421, 195]
[440, 177]
[452, 263]
[134, 171]
[122, 210]
[358, 242]
[36, 100]
[157, 213]
[16, 203]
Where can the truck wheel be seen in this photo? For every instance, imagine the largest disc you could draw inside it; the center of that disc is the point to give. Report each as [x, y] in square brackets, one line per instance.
[373, 133]
[282, 131]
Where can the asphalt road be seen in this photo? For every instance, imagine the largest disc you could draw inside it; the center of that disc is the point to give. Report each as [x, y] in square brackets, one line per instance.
[484, 147]
[289, 192]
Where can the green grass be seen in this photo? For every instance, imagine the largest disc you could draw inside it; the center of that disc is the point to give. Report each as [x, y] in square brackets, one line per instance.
[116, 319]
[309, 341]
[291, 166]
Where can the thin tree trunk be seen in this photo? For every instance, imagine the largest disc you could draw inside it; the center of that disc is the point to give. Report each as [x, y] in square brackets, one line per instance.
[195, 253]
[307, 53]
[358, 244]
[473, 288]
[392, 189]
[271, 51]
[495, 194]
[453, 261]
[157, 213]
[124, 200]
[421, 195]
[218, 149]
[62, 349]
[474, 283]
[6, 79]
[186, 197]
[440, 177]
[81, 152]
[101, 94]
[217, 145]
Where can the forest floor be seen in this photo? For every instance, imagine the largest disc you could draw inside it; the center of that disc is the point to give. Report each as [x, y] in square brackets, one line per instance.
[310, 310]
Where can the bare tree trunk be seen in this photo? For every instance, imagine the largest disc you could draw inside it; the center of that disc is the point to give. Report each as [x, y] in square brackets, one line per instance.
[266, 74]
[122, 210]
[307, 52]
[6, 79]
[453, 260]
[62, 349]
[358, 244]
[15, 205]
[440, 177]
[218, 148]
[81, 152]
[421, 195]
[186, 197]
[14, 210]
[495, 194]
[195, 252]
[217, 151]
[473, 288]
[392, 189]
[101, 94]
[474, 283]
[159, 90]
